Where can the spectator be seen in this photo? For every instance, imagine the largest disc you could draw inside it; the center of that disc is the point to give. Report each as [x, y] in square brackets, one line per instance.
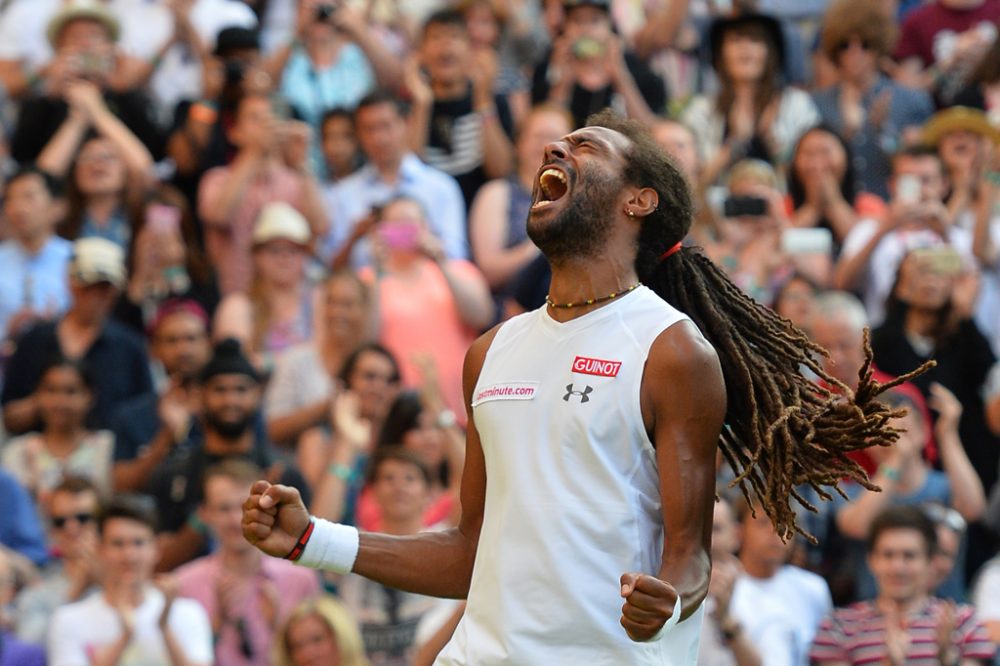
[333, 60]
[822, 187]
[753, 115]
[905, 478]
[985, 597]
[200, 138]
[510, 32]
[723, 641]
[83, 35]
[795, 299]
[64, 445]
[246, 595]
[339, 144]
[108, 171]
[420, 430]
[96, 277]
[277, 312]
[231, 198]
[392, 170]
[131, 615]
[871, 112]
[302, 390]
[497, 222]
[873, 250]
[149, 425]
[903, 624]
[457, 123]
[33, 283]
[320, 631]
[778, 604]
[182, 39]
[13, 652]
[983, 89]
[589, 68]
[427, 302]
[681, 143]
[389, 618]
[20, 530]
[229, 411]
[370, 379]
[750, 246]
[965, 141]
[928, 315]
[165, 261]
[942, 41]
[75, 570]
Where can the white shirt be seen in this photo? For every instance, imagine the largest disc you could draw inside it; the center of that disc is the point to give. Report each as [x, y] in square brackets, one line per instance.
[572, 497]
[883, 263]
[780, 614]
[79, 628]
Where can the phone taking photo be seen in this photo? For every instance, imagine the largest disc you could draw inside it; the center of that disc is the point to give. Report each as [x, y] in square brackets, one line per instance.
[163, 220]
[908, 189]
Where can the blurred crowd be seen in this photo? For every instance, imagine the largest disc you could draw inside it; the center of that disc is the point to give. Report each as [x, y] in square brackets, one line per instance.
[247, 239]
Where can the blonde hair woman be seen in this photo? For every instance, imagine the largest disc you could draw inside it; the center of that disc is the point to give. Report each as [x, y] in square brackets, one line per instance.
[322, 632]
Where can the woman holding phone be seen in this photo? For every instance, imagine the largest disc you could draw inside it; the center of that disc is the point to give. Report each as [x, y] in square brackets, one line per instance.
[428, 304]
[165, 260]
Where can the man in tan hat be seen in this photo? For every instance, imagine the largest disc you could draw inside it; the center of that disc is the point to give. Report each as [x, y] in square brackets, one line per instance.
[83, 35]
[121, 368]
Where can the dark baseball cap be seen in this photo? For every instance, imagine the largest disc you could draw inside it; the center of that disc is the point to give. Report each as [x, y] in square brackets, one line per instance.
[600, 4]
[235, 38]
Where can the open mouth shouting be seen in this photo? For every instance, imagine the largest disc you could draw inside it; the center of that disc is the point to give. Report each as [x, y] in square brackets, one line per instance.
[553, 184]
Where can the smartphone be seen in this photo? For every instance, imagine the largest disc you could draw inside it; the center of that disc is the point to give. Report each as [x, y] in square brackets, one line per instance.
[941, 259]
[163, 220]
[811, 240]
[399, 234]
[908, 189]
[588, 47]
[744, 206]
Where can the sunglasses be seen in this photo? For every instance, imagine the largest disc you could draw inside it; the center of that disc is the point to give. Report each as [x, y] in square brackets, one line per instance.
[60, 521]
[846, 44]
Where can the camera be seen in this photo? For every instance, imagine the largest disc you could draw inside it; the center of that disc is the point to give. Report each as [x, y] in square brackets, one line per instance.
[744, 207]
[326, 10]
[235, 70]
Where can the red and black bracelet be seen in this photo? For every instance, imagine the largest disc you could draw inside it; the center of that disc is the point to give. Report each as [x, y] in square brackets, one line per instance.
[300, 545]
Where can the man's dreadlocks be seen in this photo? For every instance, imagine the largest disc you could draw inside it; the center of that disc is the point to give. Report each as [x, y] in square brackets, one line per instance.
[782, 430]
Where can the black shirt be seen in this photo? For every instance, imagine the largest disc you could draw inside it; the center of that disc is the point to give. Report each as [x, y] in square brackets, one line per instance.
[117, 360]
[584, 102]
[455, 144]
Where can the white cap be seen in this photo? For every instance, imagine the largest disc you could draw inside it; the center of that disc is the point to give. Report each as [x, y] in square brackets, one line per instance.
[98, 260]
[280, 221]
[91, 10]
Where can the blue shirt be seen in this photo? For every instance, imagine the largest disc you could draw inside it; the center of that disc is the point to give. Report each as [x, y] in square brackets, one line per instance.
[351, 199]
[872, 146]
[20, 529]
[36, 281]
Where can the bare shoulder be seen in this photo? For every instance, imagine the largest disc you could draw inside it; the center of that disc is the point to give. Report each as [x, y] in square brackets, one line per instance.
[682, 349]
[683, 375]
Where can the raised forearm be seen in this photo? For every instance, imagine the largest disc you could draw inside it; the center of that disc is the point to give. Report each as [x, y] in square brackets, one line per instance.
[967, 494]
[419, 124]
[137, 157]
[498, 153]
[20, 415]
[58, 153]
[471, 298]
[218, 210]
[436, 564]
[688, 568]
[287, 427]
[131, 475]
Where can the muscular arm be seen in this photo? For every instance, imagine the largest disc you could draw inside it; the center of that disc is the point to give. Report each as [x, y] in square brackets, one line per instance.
[431, 563]
[684, 406]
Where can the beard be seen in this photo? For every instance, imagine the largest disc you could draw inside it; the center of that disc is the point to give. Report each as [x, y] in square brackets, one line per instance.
[582, 228]
[231, 429]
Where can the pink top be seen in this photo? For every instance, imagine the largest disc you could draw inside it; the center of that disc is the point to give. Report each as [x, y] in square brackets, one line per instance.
[229, 246]
[290, 585]
[419, 315]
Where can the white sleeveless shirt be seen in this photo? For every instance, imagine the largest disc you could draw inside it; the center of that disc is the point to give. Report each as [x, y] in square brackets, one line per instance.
[572, 493]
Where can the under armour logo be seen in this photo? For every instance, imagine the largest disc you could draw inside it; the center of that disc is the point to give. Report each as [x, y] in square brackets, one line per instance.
[584, 394]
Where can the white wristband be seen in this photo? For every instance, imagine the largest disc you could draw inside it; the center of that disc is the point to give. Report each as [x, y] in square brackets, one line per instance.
[675, 617]
[331, 546]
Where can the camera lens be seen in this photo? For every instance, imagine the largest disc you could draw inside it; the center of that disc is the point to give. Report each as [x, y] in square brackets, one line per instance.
[324, 12]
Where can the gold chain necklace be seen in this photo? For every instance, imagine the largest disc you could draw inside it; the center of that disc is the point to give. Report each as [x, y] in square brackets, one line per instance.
[590, 301]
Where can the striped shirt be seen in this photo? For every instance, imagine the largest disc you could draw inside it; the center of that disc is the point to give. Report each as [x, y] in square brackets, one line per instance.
[856, 635]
